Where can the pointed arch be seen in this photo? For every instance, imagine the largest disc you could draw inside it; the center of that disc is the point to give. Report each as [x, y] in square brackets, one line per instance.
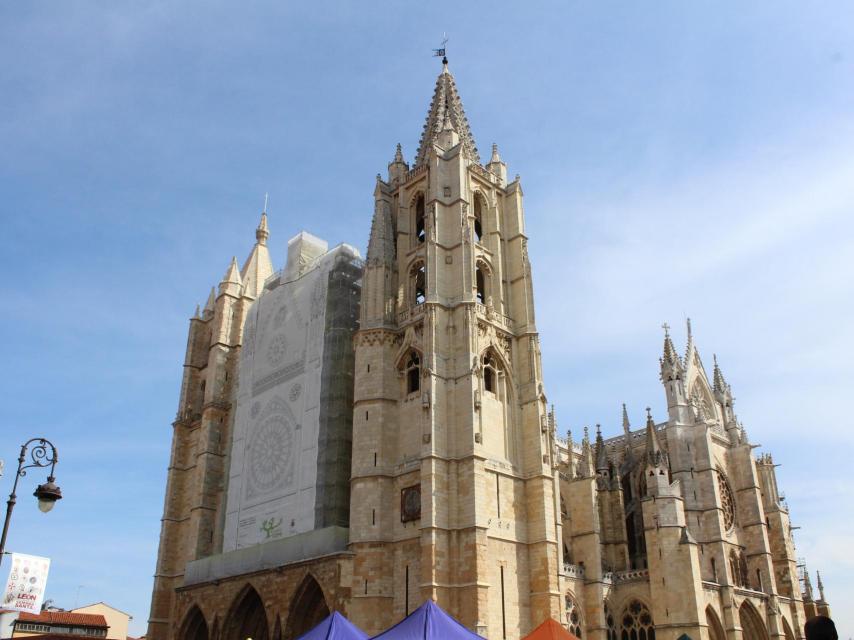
[419, 221]
[308, 608]
[787, 629]
[409, 365]
[716, 629]
[636, 622]
[574, 621]
[479, 212]
[752, 627]
[483, 281]
[417, 283]
[247, 617]
[610, 621]
[194, 626]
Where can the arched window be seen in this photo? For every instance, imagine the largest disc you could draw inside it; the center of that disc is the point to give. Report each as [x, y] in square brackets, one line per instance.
[420, 234]
[478, 217]
[738, 568]
[573, 616]
[413, 372]
[418, 283]
[612, 624]
[479, 283]
[490, 373]
[636, 622]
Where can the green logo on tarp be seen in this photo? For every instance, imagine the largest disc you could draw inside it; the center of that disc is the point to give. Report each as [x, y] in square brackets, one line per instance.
[270, 527]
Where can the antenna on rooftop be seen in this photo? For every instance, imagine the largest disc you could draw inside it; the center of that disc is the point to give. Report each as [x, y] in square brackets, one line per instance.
[441, 51]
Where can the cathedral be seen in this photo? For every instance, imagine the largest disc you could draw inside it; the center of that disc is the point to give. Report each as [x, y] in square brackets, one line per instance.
[364, 434]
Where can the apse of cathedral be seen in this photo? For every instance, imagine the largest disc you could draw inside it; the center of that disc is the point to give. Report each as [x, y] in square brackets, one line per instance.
[364, 435]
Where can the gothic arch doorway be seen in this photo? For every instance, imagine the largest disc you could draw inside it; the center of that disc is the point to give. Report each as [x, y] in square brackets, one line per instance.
[194, 627]
[752, 627]
[787, 630]
[307, 609]
[247, 619]
[716, 630]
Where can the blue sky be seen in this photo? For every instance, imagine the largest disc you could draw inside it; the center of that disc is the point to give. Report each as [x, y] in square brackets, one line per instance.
[678, 159]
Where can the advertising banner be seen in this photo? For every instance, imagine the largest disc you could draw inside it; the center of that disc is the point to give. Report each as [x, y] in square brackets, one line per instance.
[26, 584]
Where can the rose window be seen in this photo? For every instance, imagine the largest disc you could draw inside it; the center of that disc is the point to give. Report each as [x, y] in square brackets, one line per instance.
[727, 501]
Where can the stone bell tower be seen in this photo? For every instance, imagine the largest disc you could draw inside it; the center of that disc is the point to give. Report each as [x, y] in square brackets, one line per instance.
[453, 493]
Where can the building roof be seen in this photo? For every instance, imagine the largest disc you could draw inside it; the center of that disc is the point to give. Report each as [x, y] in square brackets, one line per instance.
[94, 604]
[65, 617]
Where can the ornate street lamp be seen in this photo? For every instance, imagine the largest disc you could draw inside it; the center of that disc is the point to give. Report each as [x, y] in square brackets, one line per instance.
[42, 454]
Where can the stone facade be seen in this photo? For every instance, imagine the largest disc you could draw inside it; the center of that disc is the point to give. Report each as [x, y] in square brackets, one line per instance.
[461, 489]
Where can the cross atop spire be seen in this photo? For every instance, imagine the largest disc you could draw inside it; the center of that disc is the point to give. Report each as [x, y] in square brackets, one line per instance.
[446, 105]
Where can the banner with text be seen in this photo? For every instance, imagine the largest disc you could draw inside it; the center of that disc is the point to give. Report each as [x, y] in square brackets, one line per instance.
[26, 584]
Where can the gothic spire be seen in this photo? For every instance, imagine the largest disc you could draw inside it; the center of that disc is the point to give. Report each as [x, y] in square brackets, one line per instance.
[820, 587]
[210, 304]
[231, 282]
[601, 454]
[446, 111]
[671, 364]
[258, 266]
[626, 425]
[808, 594]
[381, 248]
[720, 385]
[654, 454]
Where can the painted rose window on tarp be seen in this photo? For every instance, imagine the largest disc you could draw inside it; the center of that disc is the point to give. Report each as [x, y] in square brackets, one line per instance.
[727, 501]
[573, 616]
[636, 622]
[410, 503]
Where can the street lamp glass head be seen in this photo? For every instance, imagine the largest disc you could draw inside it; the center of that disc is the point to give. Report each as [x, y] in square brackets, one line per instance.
[47, 493]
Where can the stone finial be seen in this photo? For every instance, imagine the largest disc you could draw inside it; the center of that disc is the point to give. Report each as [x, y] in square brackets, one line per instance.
[196, 314]
[232, 274]
[210, 304]
[496, 158]
[398, 154]
[626, 424]
[820, 587]
[262, 232]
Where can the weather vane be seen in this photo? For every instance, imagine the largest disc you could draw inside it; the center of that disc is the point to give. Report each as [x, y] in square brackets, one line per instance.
[441, 52]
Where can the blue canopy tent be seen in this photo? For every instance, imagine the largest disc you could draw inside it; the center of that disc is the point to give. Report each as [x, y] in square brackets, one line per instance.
[335, 627]
[428, 621]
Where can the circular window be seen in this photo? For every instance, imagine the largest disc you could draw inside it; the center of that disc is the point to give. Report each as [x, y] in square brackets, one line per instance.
[727, 501]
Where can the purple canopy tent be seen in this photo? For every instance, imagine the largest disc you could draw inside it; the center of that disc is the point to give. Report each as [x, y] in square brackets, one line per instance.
[335, 627]
[428, 621]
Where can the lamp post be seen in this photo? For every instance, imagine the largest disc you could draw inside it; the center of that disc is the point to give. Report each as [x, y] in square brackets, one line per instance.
[42, 454]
